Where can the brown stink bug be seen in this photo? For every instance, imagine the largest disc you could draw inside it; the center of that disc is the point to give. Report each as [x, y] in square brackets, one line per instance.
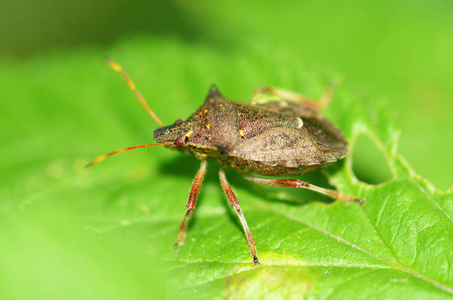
[285, 136]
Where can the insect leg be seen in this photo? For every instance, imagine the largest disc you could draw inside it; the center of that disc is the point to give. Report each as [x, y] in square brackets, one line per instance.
[235, 204]
[297, 98]
[191, 202]
[299, 184]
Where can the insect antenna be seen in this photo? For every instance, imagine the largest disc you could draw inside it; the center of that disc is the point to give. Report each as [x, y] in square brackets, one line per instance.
[132, 86]
[104, 156]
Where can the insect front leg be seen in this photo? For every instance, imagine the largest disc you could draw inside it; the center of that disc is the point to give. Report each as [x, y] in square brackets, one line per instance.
[191, 203]
[297, 98]
[299, 184]
[235, 204]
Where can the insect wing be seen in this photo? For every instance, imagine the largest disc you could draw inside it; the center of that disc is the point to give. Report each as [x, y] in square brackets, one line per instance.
[287, 147]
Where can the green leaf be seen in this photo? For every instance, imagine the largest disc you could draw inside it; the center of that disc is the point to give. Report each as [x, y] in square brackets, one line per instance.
[108, 233]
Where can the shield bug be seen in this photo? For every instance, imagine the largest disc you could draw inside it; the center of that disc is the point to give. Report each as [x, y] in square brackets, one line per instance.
[272, 136]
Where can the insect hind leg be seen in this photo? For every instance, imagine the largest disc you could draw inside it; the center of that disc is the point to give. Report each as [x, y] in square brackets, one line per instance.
[291, 96]
[299, 184]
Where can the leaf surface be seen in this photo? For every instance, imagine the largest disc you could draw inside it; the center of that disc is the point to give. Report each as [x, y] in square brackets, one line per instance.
[122, 216]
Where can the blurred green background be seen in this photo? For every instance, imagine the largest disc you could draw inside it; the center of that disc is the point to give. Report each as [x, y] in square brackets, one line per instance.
[396, 53]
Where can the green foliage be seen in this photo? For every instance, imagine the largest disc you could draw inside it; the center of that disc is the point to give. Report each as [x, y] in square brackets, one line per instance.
[399, 51]
[108, 233]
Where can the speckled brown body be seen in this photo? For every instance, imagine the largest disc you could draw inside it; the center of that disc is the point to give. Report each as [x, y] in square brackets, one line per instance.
[274, 138]
[280, 137]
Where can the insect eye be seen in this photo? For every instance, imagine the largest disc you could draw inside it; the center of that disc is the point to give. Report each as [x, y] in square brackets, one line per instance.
[181, 141]
[179, 121]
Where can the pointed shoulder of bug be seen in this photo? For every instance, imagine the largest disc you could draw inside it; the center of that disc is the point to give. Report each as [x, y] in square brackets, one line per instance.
[212, 131]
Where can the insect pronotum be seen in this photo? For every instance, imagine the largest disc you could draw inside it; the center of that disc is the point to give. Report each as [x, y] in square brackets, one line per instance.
[270, 138]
